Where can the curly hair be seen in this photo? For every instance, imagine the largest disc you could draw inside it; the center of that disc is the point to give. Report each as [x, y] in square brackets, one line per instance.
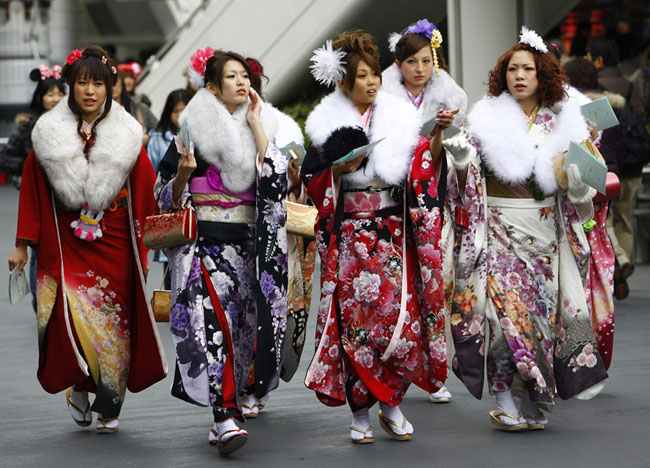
[549, 75]
[94, 63]
[358, 46]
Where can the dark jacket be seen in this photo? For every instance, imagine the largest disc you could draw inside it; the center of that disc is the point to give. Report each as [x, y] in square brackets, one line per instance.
[13, 155]
[612, 79]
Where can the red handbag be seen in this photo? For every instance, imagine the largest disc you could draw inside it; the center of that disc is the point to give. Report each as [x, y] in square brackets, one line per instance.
[612, 189]
[173, 229]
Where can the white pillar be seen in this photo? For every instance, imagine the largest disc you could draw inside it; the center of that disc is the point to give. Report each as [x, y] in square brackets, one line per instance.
[480, 32]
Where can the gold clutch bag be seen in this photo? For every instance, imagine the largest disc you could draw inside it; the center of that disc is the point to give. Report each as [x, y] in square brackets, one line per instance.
[161, 304]
[301, 219]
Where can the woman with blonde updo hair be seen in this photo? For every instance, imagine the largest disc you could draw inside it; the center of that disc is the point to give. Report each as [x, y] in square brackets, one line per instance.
[381, 321]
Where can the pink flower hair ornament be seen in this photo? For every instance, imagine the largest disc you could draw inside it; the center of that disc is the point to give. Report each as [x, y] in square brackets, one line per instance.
[73, 57]
[198, 62]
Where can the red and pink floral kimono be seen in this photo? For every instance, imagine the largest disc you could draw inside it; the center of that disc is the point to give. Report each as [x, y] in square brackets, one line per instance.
[380, 324]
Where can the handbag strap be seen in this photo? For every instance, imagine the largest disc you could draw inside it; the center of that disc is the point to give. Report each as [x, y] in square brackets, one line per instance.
[162, 283]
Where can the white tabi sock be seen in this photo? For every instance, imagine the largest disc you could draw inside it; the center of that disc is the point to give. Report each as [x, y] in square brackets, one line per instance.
[395, 414]
[531, 411]
[506, 404]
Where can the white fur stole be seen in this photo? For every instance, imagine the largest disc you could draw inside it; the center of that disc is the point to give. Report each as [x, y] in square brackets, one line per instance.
[225, 140]
[440, 92]
[391, 118]
[98, 179]
[501, 127]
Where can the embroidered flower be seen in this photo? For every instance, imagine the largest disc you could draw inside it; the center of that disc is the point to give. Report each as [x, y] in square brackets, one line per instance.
[364, 357]
[267, 284]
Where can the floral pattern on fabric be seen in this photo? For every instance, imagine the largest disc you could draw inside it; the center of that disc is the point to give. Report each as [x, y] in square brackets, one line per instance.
[378, 331]
[521, 266]
[249, 276]
[599, 286]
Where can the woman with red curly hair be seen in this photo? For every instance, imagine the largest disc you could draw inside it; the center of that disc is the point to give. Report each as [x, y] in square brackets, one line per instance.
[523, 253]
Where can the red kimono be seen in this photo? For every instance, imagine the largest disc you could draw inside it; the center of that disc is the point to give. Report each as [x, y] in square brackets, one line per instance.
[96, 328]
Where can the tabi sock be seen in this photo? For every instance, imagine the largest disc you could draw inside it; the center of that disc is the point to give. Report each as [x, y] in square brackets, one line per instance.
[361, 419]
[395, 414]
[506, 404]
[530, 410]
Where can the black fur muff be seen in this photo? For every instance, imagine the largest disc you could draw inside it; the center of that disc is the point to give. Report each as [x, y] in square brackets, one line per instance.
[341, 142]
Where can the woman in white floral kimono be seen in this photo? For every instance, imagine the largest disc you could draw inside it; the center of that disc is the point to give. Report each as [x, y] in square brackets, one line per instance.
[521, 250]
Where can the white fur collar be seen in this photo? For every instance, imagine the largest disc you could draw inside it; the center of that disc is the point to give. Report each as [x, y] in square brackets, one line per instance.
[501, 128]
[225, 140]
[98, 179]
[440, 92]
[391, 118]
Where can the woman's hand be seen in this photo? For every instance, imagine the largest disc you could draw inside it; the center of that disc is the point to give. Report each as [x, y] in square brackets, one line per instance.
[293, 173]
[254, 108]
[186, 166]
[593, 133]
[445, 118]
[18, 258]
[347, 166]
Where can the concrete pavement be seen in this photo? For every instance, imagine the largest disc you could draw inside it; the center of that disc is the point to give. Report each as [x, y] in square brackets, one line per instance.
[294, 429]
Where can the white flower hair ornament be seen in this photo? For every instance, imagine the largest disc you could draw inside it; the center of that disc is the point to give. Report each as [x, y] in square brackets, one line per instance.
[530, 37]
[328, 64]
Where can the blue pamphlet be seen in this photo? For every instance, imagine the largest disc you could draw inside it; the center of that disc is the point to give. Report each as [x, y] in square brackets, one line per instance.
[355, 153]
[592, 171]
[600, 112]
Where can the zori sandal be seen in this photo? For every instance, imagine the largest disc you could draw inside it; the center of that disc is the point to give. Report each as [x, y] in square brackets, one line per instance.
[536, 423]
[107, 426]
[229, 441]
[495, 418]
[386, 426]
[367, 437]
[84, 418]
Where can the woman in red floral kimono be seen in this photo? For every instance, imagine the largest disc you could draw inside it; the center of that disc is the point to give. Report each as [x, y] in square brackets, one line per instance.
[87, 186]
[380, 319]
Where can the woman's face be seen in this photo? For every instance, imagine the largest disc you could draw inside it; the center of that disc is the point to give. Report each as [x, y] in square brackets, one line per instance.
[521, 76]
[52, 98]
[117, 90]
[366, 84]
[129, 83]
[235, 85]
[89, 94]
[176, 113]
[417, 68]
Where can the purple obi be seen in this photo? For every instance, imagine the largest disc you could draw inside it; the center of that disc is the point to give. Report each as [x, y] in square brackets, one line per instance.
[211, 184]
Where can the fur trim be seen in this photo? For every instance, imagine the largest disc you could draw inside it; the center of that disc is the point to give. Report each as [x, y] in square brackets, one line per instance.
[288, 129]
[97, 180]
[224, 140]
[615, 100]
[576, 95]
[440, 92]
[392, 118]
[500, 126]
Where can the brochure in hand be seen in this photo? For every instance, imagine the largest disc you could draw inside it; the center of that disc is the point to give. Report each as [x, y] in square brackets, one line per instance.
[18, 286]
[429, 126]
[600, 112]
[183, 139]
[592, 171]
[295, 151]
[355, 153]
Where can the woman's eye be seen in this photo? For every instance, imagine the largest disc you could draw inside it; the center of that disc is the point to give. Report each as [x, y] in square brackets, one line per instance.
[411, 61]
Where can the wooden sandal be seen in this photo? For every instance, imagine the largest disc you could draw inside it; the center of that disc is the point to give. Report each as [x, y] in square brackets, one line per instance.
[367, 438]
[84, 422]
[495, 419]
[104, 425]
[386, 424]
[235, 442]
[534, 423]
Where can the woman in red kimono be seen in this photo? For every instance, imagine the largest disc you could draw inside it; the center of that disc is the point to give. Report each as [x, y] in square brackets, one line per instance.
[380, 319]
[87, 187]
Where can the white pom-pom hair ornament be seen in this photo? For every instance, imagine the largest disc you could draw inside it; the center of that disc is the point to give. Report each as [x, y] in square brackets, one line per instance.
[530, 37]
[328, 65]
[393, 39]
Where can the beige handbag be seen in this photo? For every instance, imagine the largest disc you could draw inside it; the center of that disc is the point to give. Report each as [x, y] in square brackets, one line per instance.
[161, 301]
[301, 219]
